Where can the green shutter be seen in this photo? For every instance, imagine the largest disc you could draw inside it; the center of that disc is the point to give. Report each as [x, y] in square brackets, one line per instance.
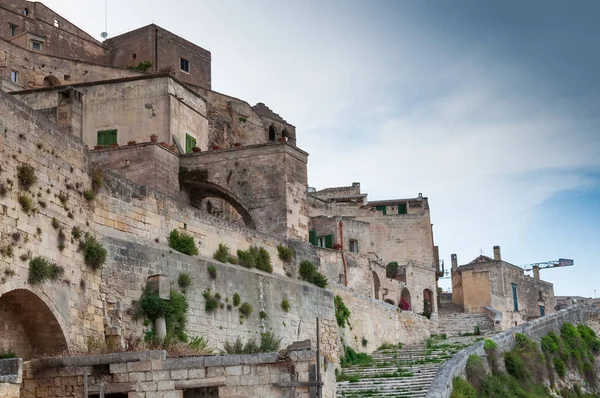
[190, 142]
[402, 208]
[381, 208]
[312, 237]
[357, 246]
[329, 241]
[107, 137]
[101, 138]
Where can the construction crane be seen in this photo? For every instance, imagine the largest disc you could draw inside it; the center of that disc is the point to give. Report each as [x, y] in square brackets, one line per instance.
[561, 262]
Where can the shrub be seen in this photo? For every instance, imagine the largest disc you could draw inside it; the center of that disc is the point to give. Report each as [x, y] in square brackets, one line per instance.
[26, 203]
[559, 366]
[342, 313]
[97, 179]
[55, 223]
[76, 233]
[285, 305]
[308, 272]
[184, 280]
[94, 254]
[89, 195]
[391, 270]
[255, 257]
[8, 354]
[245, 310]
[389, 346]
[7, 251]
[352, 358]
[589, 337]
[26, 176]
[150, 306]
[515, 366]
[222, 254]
[236, 299]
[199, 343]
[210, 301]
[183, 243]
[476, 330]
[285, 253]
[42, 270]
[475, 371]
[461, 388]
[364, 341]
[62, 240]
[489, 345]
[262, 314]
[269, 342]
[212, 271]
[3, 190]
[142, 66]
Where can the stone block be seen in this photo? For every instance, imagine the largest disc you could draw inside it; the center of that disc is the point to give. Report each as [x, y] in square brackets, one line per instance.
[179, 374]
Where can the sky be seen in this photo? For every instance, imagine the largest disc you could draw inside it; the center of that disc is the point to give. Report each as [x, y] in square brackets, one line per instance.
[490, 109]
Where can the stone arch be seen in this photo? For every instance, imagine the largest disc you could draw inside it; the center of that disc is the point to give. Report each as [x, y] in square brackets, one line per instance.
[389, 301]
[427, 301]
[201, 190]
[376, 285]
[272, 133]
[405, 303]
[27, 325]
[51, 81]
[285, 134]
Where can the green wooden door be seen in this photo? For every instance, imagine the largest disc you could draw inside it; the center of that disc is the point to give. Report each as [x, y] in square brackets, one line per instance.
[107, 137]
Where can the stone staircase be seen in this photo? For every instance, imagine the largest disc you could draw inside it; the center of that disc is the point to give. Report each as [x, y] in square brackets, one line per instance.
[404, 372]
[453, 322]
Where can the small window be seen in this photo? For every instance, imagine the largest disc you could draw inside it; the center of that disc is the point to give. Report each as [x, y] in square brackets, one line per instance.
[133, 56]
[14, 76]
[36, 45]
[184, 65]
[12, 30]
[402, 208]
[353, 246]
[56, 24]
[67, 78]
[25, 11]
[320, 241]
[272, 133]
[190, 142]
[107, 137]
[382, 209]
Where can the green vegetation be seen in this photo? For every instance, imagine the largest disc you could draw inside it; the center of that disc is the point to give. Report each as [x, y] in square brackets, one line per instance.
[364, 341]
[142, 66]
[55, 223]
[42, 270]
[353, 358]
[236, 299]
[391, 270]
[184, 281]
[389, 346]
[255, 257]
[94, 254]
[245, 310]
[212, 271]
[223, 254]
[211, 301]
[26, 203]
[89, 195]
[262, 314]
[97, 179]
[285, 253]
[342, 313]
[26, 176]
[308, 272]
[76, 233]
[150, 307]
[183, 243]
[8, 354]
[7, 251]
[285, 305]
[268, 343]
[199, 343]
[462, 389]
[475, 371]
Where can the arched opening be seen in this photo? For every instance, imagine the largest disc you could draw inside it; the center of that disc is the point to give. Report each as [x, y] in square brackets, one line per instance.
[51, 81]
[285, 135]
[200, 190]
[272, 133]
[405, 304]
[376, 285]
[390, 301]
[427, 302]
[28, 327]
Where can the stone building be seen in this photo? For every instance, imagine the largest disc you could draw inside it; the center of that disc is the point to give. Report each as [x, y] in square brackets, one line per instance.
[502, 289]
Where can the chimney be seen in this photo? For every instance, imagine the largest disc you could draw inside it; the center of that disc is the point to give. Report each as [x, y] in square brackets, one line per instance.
[536, 272]
[497, 256]
[454, 262]
[69, 112]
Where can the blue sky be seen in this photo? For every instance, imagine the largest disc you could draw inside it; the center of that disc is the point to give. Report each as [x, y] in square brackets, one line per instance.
[491, 109]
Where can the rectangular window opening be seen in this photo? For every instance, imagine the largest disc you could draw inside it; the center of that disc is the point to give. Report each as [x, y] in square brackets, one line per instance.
[36, 45]
[190, 142]
[184, 65]
[515, 298]
[14, 76]
[320, 241]
[107, 137]
[12, 30]
[381, 208]
[353, 246]
[402, 208]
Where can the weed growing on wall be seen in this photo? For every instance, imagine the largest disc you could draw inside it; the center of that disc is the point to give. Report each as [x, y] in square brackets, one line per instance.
[89, 195]
[285, 253]
[353, 358]
[262, 314]
[342, 313]
[223, 254]
[183, 243]
[212, 271]
[55, 223]
[245, 310]
[255, 257]
[391, 270]
[269, 342]
[308, 272]
[236, 299]
[26, 203]
[42, 270]
[26, 176]
[285, 305]
[94, 254]
[97, 179]
[151, 307]
[76, 233]
[184, 281]
[8, 354]
[211, 301]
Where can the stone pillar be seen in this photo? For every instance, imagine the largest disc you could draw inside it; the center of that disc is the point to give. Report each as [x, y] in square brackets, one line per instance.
[497, 255]
[454, 260]
[160, 283]
[536, 272]
[69, 112]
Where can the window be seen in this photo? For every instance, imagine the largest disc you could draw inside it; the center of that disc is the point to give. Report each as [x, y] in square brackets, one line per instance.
[36, 45]
[353, 246]
[14, 76]
[542, 310]
[25, 11]
[67, 78]
[184, 65]
[190, 142]
[56, 23]
[325, 241]
[107, 137]
[515, 298]
[381, 208]
[133, 56]
[321, 241]
[272, 133]
[12, 30]
[402, 208]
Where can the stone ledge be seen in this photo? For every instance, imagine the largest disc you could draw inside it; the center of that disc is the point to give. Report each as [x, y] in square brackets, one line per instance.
[93, 360]
[11, 370]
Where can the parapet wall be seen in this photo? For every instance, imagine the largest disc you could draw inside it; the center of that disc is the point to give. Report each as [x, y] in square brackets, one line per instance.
[536, 329]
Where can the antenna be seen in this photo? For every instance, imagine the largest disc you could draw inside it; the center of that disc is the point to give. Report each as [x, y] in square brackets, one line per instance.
[104, 34]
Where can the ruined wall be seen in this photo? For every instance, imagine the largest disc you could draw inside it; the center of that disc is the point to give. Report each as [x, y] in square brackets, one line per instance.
[379, 323]
[66, 40]
[33, 67]
[150, 374]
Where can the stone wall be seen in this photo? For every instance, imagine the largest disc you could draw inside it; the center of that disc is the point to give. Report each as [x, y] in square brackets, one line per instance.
[536, 329]
[151, 375]
[11, 373]
[379, 323]
[33, 67]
